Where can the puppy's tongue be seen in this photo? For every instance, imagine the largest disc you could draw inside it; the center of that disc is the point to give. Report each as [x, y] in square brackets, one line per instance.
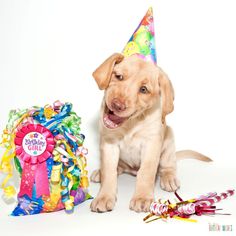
[112, 121]
[116, 119]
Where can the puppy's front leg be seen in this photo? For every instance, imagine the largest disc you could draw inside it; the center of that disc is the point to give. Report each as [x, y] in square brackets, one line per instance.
[146, 176]
[106, 198]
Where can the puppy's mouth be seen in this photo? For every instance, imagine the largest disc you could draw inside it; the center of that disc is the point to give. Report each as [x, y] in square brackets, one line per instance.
[111, 120]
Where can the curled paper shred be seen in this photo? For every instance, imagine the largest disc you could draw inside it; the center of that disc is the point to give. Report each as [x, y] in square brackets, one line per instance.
[183, 210]
[46, 146]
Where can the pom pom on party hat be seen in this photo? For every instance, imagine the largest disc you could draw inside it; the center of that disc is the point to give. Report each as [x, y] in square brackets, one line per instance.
[142, 42]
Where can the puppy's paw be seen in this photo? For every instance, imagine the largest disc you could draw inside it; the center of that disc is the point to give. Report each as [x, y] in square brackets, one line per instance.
[96, 176]
[169, 182]
[140, 204]
[103, 203]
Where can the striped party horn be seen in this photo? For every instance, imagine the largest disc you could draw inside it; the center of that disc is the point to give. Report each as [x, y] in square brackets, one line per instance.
[211, 200]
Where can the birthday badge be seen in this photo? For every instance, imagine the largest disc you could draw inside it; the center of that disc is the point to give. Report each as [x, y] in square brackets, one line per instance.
[34, 145]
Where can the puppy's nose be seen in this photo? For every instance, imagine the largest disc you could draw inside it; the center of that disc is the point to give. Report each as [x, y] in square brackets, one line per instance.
[117, 105]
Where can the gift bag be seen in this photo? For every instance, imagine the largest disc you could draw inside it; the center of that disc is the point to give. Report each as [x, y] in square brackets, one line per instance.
[46, 146]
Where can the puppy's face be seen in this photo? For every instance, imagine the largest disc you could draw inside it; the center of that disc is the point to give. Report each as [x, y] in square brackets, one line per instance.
[132, 86]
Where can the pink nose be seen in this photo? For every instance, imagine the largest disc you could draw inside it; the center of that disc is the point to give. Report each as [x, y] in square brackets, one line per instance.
[117, 105]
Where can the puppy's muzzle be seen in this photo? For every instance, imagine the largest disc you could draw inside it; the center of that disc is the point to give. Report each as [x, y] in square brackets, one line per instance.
[117, 105]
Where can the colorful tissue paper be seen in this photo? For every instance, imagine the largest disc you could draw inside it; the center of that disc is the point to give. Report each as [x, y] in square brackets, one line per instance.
[183, 210]
[46, 146]
[142, 41]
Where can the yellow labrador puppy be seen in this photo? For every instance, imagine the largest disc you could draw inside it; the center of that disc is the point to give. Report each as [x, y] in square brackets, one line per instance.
[134, 137]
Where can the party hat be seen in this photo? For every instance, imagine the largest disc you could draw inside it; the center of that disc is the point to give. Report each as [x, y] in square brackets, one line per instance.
[142, 42]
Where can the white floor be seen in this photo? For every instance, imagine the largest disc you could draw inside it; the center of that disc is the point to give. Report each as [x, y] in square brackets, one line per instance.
[196, 178]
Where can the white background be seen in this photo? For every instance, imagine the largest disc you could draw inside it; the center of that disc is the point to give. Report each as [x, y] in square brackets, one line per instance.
[48, 51]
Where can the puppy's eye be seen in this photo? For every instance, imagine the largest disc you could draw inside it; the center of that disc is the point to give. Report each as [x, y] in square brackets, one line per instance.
[119, 77]
[143, 90]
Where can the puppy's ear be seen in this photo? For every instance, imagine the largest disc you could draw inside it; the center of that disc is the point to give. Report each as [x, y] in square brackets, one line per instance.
[102, 74]
[167, 95]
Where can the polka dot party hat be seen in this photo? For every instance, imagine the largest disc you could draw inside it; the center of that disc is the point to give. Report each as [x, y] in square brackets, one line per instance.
[142, 42]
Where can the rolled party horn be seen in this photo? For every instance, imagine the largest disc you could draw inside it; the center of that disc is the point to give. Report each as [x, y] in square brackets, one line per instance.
[187, 209]
[158, 208]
